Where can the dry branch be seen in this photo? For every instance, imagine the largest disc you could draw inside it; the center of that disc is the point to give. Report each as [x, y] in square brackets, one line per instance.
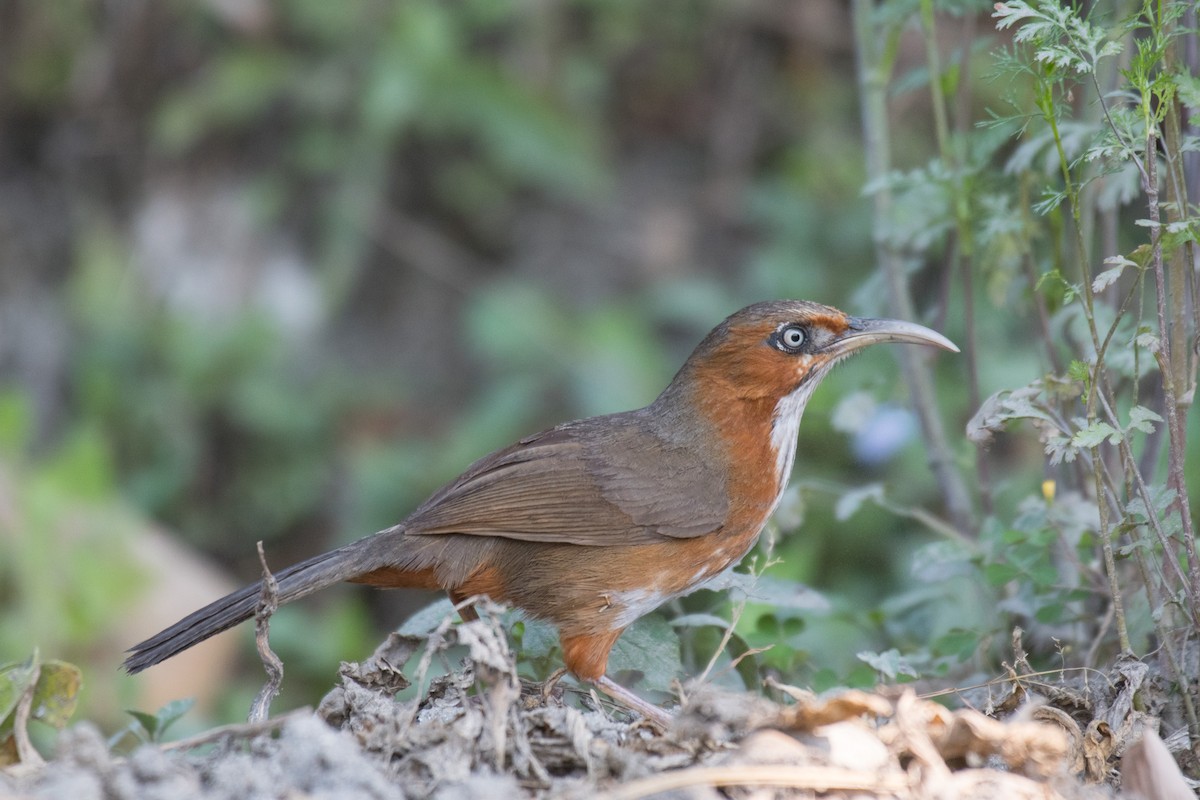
[268, 603]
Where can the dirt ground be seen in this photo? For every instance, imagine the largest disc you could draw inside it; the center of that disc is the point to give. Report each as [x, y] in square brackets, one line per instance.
[478, 732]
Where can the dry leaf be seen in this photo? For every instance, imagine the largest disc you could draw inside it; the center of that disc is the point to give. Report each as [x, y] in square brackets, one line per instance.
[811, 711]
[1149, 771]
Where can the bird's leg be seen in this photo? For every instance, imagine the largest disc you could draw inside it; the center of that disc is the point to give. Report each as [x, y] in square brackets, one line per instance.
[466, 613]
[586, 656]
[617, 692]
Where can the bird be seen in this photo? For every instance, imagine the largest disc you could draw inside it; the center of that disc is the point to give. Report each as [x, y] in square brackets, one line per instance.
[594, 523]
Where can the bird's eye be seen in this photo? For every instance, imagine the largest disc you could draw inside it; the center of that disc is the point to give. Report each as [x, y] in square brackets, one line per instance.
[791, 338]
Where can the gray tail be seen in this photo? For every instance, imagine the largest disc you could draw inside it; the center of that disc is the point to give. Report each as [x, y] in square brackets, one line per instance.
[294, 582]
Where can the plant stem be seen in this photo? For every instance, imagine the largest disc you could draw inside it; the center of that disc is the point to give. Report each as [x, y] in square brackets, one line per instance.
[1182, 368]
[1176, 448]
[1039, 302]
[873, 78]
[1110, 564]
[1143, 491]
[963, 249]
[1046, 104]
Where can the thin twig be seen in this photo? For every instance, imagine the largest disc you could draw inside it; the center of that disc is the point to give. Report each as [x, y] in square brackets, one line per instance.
[738, 609]
[1039, 302]
[1175, 428]
[931, 521]
[1098, 377]
[1143, 491]
[238, 730]
[1106, 546]
[1089, 658]
[1171, 397]
[1126, 146]
[1025, 678]
[1162, 625]
[434, 641]
[26, 752]
[268, 604]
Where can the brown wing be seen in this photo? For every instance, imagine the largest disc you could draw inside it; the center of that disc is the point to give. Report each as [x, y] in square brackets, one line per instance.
[598, 482]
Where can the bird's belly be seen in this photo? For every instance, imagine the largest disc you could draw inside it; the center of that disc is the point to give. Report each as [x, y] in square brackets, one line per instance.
[613, 587]
[628, 605]
[631, 604]
[589, 590]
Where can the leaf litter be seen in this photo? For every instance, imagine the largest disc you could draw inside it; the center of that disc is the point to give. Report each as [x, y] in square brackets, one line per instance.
[480, 732]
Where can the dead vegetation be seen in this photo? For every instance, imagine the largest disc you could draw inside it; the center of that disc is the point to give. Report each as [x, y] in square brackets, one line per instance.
[478, 731]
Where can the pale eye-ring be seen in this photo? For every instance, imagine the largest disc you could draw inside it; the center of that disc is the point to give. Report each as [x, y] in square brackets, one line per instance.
[792, 338]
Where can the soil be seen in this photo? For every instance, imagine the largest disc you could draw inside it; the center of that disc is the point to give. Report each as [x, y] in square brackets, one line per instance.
[479, 732]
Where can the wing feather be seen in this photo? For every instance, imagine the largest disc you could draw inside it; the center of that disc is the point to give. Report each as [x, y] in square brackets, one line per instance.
[599, 482]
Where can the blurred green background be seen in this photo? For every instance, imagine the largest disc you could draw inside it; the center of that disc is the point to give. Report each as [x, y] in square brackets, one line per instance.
[277, 270]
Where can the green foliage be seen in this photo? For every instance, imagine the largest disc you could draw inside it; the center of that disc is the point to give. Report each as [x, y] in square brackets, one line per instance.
[348, 124]
[1060, 38]
[197, 389]
[1077, 426]
[891, 666]
[63, 557]
[535, 356]
[351, 91]
[647, 655]
[1051, 560]
[151, 728]
[43, 690]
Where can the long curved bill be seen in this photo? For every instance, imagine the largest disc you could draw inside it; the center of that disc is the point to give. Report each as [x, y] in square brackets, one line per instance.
[863, 332]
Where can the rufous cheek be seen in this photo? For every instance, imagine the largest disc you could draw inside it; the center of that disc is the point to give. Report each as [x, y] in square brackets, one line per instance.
[803, 363]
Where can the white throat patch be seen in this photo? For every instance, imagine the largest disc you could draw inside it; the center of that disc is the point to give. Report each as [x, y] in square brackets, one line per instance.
[785, 427]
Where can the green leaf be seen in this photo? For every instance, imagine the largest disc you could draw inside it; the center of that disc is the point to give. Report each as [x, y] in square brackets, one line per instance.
[236, 89]
[1143, 419]
[1007, 405]
[149, 723]
[850, 502]
[651, 648]
[1095, 434]
[1144, 545]
[1162, 499]
[767, 625]
[14, 681]
[890, 664]
[1050, 613]
[1079, 371]
[1106, 278]
[1053, 279]
[1188, 88]
[57, 693]
[1043, 573]
[699, 621]
[427, 619]
[1148, 341]
[769, 590]
[154, 726]
[957, 642]
[1110, 276]
[1014, 536]
[999, 574]
[539, 640]
[172, 712]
